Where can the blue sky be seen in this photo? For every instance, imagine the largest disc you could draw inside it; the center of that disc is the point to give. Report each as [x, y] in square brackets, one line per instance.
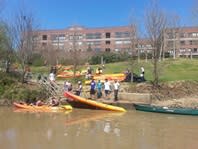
[59, 14]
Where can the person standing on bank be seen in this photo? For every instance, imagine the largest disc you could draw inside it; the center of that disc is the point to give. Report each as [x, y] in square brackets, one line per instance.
[107, 88]
[142, 70]
[99, 89]
[116, 86]
[142, 74]
[92, 89]
[79, 89]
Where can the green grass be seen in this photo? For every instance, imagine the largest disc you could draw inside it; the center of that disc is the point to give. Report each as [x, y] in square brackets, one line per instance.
[181, 69]
[43, 69]
[170, 70]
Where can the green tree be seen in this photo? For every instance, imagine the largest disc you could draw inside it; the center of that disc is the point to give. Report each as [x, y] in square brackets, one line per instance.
[22, 33]
[6, 52]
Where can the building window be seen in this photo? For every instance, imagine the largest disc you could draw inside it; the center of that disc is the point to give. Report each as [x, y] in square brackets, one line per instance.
[117, 50]
[194, 34]
[108, 42]
[44, 37]
[95, 43]
[44, 44]
[97, 49]
[35, 38]
[182, 35]
[108, 35]
[118, 42]
[190, 42]
[107, 49]
[126, 42]
[58, 38]
[93, 36]
[194, 42]
[182, 42]
[75, 37]
[170, 43]
[195, 50]
[122, 34]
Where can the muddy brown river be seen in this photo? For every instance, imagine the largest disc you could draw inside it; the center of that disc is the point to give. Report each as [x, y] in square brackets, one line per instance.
[90, 129]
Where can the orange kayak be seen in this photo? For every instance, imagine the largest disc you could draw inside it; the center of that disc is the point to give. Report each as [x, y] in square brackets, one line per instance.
[45, 108]
[80, 102]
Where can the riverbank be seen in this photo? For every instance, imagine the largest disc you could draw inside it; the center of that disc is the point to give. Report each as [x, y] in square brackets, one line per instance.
[171, 93]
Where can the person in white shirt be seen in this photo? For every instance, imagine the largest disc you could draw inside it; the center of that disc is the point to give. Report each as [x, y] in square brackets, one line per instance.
[52, 77]
[142, 74]
[107, 88]
[116, 86]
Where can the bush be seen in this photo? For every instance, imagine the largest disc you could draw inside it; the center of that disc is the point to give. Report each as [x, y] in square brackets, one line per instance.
[37, 60]
[108, 58]
[11, 89]
[167, 55]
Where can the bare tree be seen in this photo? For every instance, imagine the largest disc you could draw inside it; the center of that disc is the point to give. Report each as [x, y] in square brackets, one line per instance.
[134, 50]
[6, 48]
[75, 55]
[23, 32]
[174, 31]
[49, 53]
[155, 23]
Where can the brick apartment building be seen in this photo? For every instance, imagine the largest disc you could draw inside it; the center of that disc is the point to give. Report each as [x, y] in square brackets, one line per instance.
[98, 39]
[183, 40]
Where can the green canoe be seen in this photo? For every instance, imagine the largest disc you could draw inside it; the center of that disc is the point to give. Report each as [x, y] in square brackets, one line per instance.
[158, 109]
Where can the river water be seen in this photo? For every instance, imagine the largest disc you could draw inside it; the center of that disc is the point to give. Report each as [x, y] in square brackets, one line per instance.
[92, 129]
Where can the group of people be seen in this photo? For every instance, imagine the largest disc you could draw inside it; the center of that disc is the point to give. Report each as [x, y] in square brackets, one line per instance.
[68, 87]
[97, 87]
[52, 102]
[132, 77]
[89, 73]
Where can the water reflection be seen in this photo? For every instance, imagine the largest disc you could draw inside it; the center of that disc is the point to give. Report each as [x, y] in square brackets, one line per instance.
[94, 121]
[90, 115]
[96, 129]
[107, 127]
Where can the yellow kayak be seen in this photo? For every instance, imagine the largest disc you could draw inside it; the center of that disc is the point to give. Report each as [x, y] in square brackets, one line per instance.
[45, 108]
[81, 102]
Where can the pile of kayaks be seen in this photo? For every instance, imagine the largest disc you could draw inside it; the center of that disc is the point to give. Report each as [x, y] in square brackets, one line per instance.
[67, 72]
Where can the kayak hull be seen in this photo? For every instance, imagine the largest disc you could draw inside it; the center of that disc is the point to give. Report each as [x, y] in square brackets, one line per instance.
[159, 109]
[33, 108]
[80, 102]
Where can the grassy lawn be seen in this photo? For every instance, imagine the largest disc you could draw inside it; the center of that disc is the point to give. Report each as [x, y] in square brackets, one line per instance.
[42, 70]
[170, 70]
[181, 70]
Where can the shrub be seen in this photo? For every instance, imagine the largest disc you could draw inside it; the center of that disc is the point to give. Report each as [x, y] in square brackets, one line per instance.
[108, 57]
[37, 60]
